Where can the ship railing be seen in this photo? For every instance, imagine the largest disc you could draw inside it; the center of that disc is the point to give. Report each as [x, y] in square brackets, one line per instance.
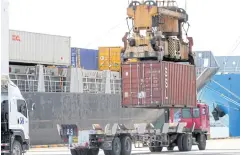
[26, 85]
[32, 85]
[57, 86]
[226, 70]
[89, 85]
[98, 85]
[115, 86]
[93, 85]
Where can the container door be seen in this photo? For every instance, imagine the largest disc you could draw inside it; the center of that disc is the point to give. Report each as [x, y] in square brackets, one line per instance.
[151, 83]
[114, 58]
[131, 87]
[103, 59]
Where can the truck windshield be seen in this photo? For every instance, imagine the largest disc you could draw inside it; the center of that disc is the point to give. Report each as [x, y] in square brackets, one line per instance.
[186, 113]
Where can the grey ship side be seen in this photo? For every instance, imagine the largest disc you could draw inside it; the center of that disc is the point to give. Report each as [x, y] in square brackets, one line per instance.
[84, 98]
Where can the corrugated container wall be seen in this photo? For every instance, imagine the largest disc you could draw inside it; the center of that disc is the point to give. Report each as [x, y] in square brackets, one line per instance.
[158, 85]
[28, 47]
[89, 59]
[109, 58]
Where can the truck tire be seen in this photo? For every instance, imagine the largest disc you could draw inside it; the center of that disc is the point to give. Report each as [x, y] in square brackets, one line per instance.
[16, 148]
[151, 149]
[180, 142]
[126, 145]
[201, 139]
[73, 152]
[155, 149]
[158, 149]
[170, 148]
[116, 147]
[187, 142]
[93, 151]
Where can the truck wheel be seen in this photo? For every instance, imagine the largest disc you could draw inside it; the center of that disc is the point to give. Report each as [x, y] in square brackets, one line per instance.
[126, 145]
[152, 149]
[180, 142]
[16, 148]
[93, 151]
[158, 149]
[116, 147]
[170, 148]
[201, 141]
[82, 151]
[73, 152]
[187, 142]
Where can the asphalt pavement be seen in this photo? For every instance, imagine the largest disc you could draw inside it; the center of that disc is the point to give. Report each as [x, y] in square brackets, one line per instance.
[219, 147]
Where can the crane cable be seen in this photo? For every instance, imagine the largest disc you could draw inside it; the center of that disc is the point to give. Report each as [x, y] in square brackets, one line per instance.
[104, 34]
[237, 44]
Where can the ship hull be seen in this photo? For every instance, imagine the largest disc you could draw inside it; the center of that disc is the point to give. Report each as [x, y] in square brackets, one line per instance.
[82, 109]
[223, 90]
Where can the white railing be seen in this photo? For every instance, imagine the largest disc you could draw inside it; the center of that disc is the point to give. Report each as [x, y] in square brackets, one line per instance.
[26, 85]
[90, 85]
[229, 70]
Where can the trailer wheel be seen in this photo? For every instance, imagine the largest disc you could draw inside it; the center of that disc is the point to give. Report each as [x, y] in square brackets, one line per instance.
[107, 152]
[126, 145]
[187, 142]
[180, 142]
[93, 151]
[82, 151]
[170, 148]
[201, 138]
[73, 152]
[151, 149]
[16, 148]
[116, 147]
[158, 149]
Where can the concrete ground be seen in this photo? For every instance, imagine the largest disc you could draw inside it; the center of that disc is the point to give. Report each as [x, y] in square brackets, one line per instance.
[220, 147]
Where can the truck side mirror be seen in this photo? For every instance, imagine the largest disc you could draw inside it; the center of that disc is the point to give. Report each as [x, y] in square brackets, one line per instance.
[33, 106]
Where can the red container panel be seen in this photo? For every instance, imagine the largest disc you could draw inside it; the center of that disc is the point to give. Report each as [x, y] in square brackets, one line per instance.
[158, 84]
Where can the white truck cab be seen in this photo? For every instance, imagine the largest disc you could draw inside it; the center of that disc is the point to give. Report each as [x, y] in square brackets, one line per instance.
[14, 120]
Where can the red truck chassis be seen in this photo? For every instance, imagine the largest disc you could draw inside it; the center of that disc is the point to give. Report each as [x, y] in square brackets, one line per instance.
[190, 130]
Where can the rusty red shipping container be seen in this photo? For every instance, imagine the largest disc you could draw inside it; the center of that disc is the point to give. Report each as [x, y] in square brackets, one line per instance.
[153, 84]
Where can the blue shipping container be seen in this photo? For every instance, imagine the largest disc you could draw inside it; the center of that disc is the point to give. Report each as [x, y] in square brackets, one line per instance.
[88, 58]
[73, 57]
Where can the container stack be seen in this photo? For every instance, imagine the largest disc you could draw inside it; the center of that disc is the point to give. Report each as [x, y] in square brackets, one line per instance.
[105, 58]
[158, 69]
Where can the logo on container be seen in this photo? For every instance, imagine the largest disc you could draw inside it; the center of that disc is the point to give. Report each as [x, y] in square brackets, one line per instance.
[16, 37]
[166, 82]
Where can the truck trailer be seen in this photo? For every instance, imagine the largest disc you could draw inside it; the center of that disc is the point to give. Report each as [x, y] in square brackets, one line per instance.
[191, 127]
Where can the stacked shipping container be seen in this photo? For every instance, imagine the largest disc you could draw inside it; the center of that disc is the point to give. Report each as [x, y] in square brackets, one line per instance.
[84, 58]
[109, 58]
[105, 58]
[36, 48]
[156, 84]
